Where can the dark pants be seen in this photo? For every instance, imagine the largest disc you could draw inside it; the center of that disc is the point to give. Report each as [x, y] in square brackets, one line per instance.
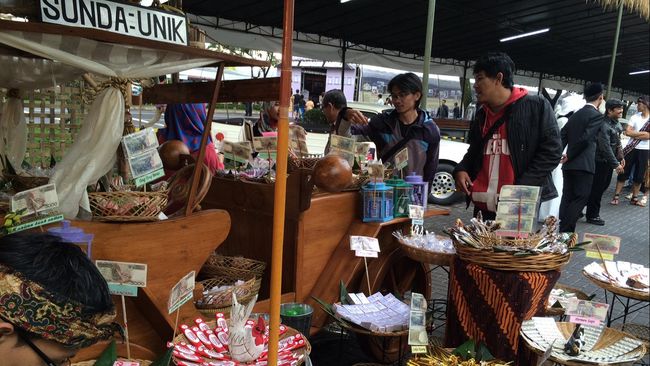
[602, 178]
[577, 186]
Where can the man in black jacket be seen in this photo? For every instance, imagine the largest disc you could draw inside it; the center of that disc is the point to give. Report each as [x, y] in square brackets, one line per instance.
[579, 163]
[514, 138]
[609, 155]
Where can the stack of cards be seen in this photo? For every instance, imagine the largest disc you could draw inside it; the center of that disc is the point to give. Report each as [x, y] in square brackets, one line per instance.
[619, 274]
[344, 147]
[417, 321]
[141, 149]
[517, 210]
[381, 314]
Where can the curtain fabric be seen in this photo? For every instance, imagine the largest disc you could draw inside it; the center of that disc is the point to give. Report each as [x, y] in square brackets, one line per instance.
[13, 132]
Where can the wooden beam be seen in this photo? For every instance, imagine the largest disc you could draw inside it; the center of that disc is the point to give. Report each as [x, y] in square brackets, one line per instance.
[253, 90]
[103, 36]
[207, 125]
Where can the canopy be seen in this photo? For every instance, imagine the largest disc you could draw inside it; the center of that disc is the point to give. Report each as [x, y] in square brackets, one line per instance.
[577, 48]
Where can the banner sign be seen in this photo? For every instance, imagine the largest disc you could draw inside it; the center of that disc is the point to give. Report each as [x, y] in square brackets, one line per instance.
[130, 20]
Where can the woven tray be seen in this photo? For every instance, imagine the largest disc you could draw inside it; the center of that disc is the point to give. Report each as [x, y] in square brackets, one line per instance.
[127, 205]
[608, 337]
[222, 301]
[505, 261]
[632, 294]
[427, 256]
[290, 332]
[21, 183]
[92, 363]
[239, 267]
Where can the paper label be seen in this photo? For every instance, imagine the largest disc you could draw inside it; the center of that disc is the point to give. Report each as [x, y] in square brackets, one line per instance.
[402, 159]
[123, 290]
[35, 223]
[586, 312]
[39, 199]
[150, 177]
[364, 243]
[606, 256]
[366, 253]
[606, 243]
[418, 349]
[181, 292]
[123, 273]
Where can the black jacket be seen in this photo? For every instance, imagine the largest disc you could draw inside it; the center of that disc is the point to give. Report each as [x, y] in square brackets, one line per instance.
[579, 135]
[533, 140]
[608, 144]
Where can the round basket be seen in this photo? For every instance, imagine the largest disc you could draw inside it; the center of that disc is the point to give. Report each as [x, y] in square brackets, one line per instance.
[626, 292]
[221, 301]
[301, 163]
[238, 267]
[382, 346]
[21, 183]
[127, 205]
[507, 261]
[427, 256]
[290, 332]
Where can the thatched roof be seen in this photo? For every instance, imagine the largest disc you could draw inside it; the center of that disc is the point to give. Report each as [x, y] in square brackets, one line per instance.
[641, 7]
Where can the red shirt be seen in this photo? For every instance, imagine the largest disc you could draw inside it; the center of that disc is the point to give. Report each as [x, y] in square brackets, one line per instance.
[496, 170]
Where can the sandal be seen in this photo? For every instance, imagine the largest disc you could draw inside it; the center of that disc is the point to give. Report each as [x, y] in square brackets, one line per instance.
[615, 200]
[637, 202]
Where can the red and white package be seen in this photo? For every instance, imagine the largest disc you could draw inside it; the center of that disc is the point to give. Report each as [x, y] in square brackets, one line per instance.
[221, 321]
[201, 324]
[187, 363]
[125, 363]
[223, 338]
[210, 353]
[191, 336]
[202, 337]
[218, 346]
[187, 356]
[181, 348]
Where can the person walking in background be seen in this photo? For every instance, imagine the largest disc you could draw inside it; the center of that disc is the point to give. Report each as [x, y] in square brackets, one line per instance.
[456, 111]
[636, 152]
[609, 156]
[380, 99]
[579, 163]
[443, 111]
[297, 99]
[513, 139]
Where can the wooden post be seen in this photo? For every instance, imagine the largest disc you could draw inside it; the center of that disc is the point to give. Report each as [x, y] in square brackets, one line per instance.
[279, 198]
[204, 141]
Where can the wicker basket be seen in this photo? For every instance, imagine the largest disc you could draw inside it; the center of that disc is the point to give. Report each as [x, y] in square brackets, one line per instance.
[222, 301]
[127, 205]
[301, 163]
[238, 267]
[290, 332]
[507, 261]
[427, 256]
[21, 183]
[626, 292]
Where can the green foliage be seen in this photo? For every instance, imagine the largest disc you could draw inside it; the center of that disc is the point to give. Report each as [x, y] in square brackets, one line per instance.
[343, 293]
[165, 359]
[315, 117]
[109, 356]
[471, 349]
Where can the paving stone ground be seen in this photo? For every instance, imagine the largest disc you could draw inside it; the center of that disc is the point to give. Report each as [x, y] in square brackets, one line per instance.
[631, 223]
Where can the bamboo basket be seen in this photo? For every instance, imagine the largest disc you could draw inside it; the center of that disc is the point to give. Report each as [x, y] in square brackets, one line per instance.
[632, 294]
[223, 299]
[238, 267]
[22, 183]
[427, 256]
[290, 332]
[125, 206]
[506, 261]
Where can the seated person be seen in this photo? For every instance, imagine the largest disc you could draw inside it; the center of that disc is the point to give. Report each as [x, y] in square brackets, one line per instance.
[53, 301]
[184, 122]
[268, 121]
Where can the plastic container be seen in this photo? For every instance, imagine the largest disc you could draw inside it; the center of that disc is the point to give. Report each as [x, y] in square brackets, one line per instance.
[297, 316]
[73, 235]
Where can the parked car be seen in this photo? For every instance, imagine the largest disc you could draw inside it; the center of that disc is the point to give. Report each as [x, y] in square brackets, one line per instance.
[443, 189]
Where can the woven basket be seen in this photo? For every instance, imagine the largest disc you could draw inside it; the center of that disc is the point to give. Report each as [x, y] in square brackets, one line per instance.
[92, 363]
[506, 261]
[21, 183]
[222, 301]
[427, 256]
[290, 332]
[238, 267]
[629, 293]
[127, 205]
[304, 163]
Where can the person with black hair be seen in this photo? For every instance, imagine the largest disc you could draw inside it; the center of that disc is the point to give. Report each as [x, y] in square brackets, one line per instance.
[579, 163]
[334, 105]
[53, 301]
[406, 126]
[609, 157]
[443, 110]
[513, 138]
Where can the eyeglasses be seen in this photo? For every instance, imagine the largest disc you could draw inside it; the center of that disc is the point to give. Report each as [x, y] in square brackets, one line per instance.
[40, 353]
[400, 95]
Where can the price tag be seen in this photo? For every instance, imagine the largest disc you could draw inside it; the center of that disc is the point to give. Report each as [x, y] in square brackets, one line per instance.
[586, 312]
[402, 159]
[182, 292]
[418, 349]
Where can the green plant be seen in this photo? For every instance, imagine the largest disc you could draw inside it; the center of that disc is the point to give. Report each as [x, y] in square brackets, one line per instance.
[315, 116]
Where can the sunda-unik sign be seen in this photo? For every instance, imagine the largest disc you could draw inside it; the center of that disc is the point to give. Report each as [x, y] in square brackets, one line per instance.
[117, 17]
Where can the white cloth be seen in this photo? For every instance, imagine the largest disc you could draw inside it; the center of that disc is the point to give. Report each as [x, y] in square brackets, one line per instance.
[637, 121]
[13, 133]
[552, 207]
[380, 101]
[93, 153]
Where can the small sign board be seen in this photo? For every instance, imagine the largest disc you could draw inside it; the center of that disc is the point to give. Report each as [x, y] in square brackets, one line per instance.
[402, 159]
[116, 17]
[181, 293]
[607, 244]
[365, 246]
[36, 223]
[586, 312]
[35, 200]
